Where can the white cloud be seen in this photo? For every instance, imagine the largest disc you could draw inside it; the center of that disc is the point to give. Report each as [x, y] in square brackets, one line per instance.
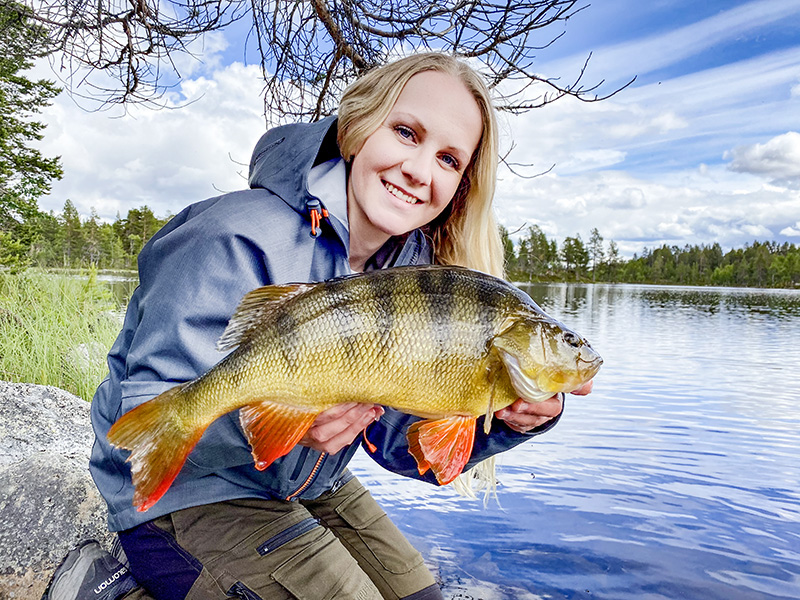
[624, 198]
[676, 123]
[167, 158]
[778, 159]
[575, 136]
[792, 231]
[688, 207]
[675, 229]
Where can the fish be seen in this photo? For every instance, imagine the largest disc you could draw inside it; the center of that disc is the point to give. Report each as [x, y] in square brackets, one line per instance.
[443, 343]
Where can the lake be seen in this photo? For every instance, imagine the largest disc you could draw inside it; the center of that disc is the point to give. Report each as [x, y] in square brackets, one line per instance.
[678, 477]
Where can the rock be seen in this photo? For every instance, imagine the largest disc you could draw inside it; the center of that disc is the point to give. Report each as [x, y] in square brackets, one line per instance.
[48, 501]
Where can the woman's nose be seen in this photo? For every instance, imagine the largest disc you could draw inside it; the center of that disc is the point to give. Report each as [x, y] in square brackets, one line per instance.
[417, 167]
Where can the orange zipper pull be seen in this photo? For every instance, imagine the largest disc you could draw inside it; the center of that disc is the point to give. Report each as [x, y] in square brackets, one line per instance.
[317, 213]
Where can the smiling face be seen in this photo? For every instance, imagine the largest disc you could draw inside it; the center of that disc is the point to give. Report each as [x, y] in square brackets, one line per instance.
[406, 173]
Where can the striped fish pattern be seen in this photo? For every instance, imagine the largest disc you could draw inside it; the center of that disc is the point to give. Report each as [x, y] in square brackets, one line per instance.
[447, 344]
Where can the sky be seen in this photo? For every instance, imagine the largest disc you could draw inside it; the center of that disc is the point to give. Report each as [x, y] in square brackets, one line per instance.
[703, 147]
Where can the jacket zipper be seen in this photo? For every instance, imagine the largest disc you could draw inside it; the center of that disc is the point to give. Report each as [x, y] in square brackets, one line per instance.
[310, 478]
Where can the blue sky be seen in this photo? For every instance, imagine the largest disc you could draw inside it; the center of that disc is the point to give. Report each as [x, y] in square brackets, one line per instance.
[704, 147]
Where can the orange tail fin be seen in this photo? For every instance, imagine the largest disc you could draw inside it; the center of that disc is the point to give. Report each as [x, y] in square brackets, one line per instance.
[159, 444]
[442, 445]
[273, 429]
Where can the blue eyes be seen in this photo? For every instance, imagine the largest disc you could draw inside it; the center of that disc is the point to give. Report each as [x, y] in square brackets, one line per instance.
[450, 161]
[408, 134]
[404, 132]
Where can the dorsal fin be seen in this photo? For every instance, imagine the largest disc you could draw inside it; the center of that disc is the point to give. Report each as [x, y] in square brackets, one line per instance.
[253, 308]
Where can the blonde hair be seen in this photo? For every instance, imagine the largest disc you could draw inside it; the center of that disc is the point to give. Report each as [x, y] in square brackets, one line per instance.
[466, 233]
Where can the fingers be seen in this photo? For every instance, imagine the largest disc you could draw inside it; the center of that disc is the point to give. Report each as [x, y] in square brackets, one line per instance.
[339, 426]
[585, 389]
[524, 416]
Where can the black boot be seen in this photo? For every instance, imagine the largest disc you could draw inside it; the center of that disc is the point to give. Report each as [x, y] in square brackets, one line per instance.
[87, 572]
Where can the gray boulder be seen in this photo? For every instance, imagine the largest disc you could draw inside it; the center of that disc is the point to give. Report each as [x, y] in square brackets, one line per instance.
[48, 502]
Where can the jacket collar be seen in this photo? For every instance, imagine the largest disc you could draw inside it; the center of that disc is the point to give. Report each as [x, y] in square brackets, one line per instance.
[297, 146]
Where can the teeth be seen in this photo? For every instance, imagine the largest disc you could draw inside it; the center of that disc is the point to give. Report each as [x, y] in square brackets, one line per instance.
[398, 193]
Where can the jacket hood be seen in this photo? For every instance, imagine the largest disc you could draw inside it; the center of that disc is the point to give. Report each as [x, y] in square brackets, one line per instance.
[300, 145]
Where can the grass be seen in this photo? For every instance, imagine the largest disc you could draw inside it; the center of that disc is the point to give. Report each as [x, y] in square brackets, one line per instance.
[56, 329]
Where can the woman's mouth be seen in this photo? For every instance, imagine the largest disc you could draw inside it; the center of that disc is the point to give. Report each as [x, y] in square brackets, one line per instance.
[398, 193]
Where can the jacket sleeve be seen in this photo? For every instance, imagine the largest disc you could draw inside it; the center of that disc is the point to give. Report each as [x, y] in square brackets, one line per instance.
[192, 277]
[389, 436]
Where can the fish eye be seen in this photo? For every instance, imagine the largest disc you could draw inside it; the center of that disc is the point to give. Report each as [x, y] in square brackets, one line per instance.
[572, 339]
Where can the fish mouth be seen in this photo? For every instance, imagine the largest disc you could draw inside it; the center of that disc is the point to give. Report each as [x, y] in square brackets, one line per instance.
[589, 366]
[400, 194]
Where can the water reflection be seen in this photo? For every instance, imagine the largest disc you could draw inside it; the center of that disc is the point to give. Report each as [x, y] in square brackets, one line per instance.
[121, 283]
[679, 477]
[573, 299]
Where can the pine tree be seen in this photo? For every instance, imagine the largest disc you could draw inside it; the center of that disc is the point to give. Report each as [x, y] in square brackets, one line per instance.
[595, 251]
[25, 175]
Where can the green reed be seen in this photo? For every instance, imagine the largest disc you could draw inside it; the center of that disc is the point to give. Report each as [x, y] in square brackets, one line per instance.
[56, 329]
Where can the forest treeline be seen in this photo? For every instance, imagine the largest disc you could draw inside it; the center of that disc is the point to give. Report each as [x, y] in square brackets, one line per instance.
[67, 241]
[534, 257]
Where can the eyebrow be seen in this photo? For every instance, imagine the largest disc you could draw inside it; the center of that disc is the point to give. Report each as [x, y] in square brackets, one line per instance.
[414, 120]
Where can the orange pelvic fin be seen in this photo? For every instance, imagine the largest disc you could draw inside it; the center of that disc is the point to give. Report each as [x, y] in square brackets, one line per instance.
[274, 429]
[159, 445]
[442, 445]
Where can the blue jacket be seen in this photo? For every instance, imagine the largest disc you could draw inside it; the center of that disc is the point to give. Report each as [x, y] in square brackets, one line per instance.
[192, 275]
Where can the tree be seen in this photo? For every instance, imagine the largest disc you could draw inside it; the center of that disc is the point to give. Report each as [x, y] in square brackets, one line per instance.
[92, 249]
[595, 250]
[46, 249]
[575, 255]
[613, 260]
[25, 175]
[542, 253]
[310, 50]
[72, 235]
[510, 258]
[134, 231]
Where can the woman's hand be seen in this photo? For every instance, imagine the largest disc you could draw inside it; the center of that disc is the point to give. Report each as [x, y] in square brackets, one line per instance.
[339, 426]
[524, 416]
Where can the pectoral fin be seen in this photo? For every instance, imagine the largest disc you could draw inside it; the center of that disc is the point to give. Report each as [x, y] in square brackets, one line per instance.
[443, 445]
[273, 429]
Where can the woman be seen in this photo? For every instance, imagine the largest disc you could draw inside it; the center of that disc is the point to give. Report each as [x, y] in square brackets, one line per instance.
[404, 176]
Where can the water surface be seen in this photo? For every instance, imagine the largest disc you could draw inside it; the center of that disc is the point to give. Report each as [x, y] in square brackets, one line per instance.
[678, 477]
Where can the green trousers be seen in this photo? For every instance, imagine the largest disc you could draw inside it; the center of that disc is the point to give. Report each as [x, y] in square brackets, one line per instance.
[341, 545]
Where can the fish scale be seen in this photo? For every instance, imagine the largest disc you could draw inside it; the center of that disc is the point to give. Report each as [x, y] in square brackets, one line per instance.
[446, 344]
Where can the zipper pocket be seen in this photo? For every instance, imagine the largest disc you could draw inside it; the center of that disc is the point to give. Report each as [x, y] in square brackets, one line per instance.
[240, 590]
[287, 535]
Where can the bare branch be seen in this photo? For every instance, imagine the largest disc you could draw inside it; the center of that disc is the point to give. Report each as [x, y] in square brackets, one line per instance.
[309, 50]
[511, 166]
